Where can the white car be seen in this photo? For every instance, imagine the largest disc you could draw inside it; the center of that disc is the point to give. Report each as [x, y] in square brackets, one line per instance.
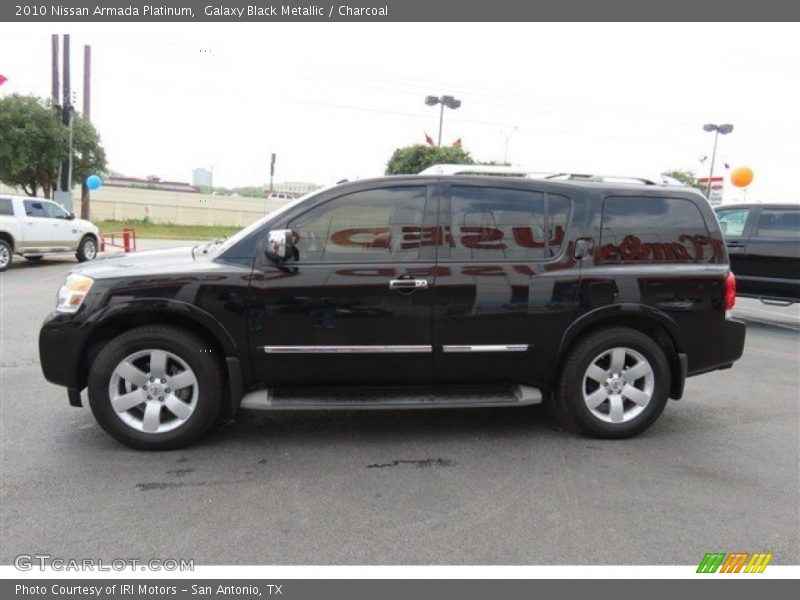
[33, 227]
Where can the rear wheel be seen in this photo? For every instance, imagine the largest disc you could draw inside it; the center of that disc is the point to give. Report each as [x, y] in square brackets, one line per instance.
[153, 388]
[5, 254]
[87, 250]
[614, 384]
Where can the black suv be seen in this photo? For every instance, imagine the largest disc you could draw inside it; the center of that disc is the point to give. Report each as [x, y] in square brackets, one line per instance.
[408, 292]
[763, 242]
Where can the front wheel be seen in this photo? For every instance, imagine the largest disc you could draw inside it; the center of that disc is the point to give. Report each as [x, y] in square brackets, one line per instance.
[614, 384]
[5, 254]
[155, 388]
[87, 250]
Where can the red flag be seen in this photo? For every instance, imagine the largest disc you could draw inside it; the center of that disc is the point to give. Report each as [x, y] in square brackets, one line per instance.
[3, 79]
[429, 139]
[457, 143]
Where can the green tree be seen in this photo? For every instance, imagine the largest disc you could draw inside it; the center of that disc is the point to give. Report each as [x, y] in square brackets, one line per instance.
[32, 144]
[88, 156]
[410, 160]
[685, 176]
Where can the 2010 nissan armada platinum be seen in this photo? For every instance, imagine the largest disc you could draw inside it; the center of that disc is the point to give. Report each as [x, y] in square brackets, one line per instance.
[442, 289]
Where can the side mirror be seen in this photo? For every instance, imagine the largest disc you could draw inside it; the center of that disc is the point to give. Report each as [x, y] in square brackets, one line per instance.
[71, 216]
[279, 242]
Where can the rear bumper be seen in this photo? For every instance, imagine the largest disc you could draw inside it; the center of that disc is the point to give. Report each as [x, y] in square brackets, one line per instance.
[725, 347]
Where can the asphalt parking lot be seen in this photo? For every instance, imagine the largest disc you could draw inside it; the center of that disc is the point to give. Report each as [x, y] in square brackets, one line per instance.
[720, 471]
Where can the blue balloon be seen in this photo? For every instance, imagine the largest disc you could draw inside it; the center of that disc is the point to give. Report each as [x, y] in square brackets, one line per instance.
[93, 182]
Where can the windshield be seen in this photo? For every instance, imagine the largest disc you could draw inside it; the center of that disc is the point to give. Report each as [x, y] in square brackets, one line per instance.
[255, 225]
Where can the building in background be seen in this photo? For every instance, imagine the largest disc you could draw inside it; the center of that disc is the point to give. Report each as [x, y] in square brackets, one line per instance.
[294, 189]
[151, 182]
[202, 178]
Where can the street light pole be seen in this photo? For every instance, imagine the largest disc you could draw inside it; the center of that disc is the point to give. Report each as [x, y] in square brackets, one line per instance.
[508, 137]
[723, 129]
[447, 101]
[713, 159]
[441, 122]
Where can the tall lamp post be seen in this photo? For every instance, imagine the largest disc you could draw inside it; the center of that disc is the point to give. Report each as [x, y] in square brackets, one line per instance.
[447, 101]
[508, 138]
[723, 129]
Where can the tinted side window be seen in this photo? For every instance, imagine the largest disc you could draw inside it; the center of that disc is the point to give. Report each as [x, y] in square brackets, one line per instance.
[732, 221]
[653, 230]
[54, 211]
[778, 223]
[377, 225]
[34, 209]
[6, 207]
[501, 223]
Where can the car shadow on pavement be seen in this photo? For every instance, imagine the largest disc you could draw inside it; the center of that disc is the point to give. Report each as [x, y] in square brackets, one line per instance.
[334, 427]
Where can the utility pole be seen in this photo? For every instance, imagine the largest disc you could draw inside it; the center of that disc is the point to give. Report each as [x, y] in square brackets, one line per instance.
[66, 118]
[87, 109]
[54, 88]
[271, 172]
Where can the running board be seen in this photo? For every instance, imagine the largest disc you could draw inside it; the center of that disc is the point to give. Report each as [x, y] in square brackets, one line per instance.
[391, 398]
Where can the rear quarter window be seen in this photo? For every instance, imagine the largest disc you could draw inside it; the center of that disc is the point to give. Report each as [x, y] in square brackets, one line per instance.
[654, 230]
[6, 207]
[779, 223]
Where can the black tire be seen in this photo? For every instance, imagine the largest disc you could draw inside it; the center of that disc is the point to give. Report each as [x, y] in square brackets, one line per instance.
[6, 255]
[87, 249]
[574, 412]
[34, 258]
[190, 349]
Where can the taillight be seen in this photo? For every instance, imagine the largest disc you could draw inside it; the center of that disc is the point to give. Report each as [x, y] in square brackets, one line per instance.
[730, 291]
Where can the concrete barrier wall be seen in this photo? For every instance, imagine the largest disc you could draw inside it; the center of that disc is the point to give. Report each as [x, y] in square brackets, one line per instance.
[172, 207]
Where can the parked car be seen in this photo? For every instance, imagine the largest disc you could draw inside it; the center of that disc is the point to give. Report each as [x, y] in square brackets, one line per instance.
[408, 292]
[33, 227]
[763, 243]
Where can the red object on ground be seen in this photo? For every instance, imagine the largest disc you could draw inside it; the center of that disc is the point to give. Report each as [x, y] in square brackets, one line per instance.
[128, 240]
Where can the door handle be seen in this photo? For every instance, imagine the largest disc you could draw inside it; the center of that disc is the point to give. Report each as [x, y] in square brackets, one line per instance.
[408, 284]
[734, 244]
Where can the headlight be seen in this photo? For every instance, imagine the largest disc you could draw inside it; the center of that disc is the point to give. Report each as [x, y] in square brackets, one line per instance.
[71, 295]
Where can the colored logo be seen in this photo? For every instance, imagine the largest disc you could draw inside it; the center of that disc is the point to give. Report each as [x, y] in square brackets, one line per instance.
[735, 562]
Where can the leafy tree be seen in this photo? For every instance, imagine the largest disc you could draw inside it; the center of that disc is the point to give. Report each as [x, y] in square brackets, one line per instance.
[413, 159]
[685, 176]
[32, 144]
[88, 156]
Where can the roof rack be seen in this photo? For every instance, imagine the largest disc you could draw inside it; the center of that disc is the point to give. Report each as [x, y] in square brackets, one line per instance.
[508, 171]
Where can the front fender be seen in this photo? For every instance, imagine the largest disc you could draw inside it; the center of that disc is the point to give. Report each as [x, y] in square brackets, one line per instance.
[162, 307]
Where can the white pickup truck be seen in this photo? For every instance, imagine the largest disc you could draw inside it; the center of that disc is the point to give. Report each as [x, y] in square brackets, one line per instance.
[33, 227]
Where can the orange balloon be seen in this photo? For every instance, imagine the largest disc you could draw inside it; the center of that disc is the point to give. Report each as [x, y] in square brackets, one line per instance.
[742, 176]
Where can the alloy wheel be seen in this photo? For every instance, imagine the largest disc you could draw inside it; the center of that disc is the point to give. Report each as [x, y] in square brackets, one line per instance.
[618, 385]
[153, 391]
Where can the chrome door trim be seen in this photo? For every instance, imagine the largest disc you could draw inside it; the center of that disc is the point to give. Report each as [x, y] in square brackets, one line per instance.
[485, 348]
[343, 349]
